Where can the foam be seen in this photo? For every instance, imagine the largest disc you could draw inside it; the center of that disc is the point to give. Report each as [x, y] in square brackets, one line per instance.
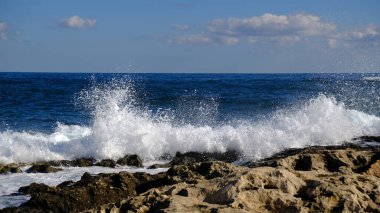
[371, 78]
[120, 126]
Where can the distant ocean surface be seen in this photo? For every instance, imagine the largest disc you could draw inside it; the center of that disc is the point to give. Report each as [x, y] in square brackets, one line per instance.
[46, 116]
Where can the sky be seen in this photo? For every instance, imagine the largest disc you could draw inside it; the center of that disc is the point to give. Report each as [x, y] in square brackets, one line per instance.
[200, 36]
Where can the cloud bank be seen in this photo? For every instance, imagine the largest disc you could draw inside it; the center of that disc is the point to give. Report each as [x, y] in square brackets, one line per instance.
[280, 29]
[76, 22]
[371, 33]
[268, 27]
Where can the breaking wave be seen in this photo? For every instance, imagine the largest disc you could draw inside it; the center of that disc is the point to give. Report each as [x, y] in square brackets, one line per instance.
[121, 126]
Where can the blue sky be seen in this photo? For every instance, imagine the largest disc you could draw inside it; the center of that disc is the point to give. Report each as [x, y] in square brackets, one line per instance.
[235, 36]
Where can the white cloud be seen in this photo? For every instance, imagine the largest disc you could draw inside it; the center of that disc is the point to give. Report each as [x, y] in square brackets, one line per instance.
[267, 27]
[278, 29]
[370, 33]
[273, 27]
[3, 31]
[368, 36]
[76, 22]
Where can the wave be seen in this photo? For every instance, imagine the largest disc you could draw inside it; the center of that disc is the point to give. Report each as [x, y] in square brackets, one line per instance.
[120, 126]
[371, 78]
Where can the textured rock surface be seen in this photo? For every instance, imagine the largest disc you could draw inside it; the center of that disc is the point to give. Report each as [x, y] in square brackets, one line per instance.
[42, 168]
[314, 179]
[10, 168]
[130, 160]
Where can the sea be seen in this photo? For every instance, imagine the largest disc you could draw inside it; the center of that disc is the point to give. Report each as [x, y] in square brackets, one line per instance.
[56, 116]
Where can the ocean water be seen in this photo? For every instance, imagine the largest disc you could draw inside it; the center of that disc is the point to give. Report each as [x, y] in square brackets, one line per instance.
[54, 116]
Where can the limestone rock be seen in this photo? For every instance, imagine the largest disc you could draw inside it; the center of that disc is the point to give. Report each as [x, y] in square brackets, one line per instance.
[130, 160]
[314, 179]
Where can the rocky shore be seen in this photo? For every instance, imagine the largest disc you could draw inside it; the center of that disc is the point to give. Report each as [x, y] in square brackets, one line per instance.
[314, 179]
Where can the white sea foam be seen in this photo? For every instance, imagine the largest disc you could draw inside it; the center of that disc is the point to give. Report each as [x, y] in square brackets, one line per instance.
[372, 78]
[120, 127]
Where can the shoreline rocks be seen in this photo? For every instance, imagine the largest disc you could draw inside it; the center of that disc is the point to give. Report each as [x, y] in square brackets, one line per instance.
[313, 179]
[51, 166]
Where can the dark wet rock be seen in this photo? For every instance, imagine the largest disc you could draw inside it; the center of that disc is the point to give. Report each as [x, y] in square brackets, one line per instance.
[80, 162]
[66, 183]
[33, 188]
[189, 158]
[203, 170]
[146, 182]
[106, 163]
[196, 157]
[10, 168]
[130, 160]
[158, 166]
[368, 139]
[84, 162]
[42, 168]
[89, 192]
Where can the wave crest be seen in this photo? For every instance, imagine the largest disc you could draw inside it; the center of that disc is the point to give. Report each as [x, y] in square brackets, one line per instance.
[119, 126]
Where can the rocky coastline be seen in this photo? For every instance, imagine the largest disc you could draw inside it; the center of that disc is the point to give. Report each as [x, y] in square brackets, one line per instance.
[342, 178]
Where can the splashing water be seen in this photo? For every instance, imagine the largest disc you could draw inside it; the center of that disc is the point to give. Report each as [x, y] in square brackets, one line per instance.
[121, 126]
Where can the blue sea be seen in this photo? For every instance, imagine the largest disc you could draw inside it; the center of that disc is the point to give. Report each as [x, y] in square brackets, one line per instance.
[55, 116]
[69, 115]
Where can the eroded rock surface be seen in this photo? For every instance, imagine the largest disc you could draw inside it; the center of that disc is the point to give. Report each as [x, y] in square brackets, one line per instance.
[314, 179]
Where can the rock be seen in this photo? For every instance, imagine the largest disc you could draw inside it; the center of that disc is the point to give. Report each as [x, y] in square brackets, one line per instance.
[89, 192]
[33, 188]
[368, 139]
[79, 162]
[10, 168]
[304, 163]
[158, 166]
[130, 160]
[84, 162]
[374, 169]
[196, 157]
[107, 163]
[333, 163]
[42, 168]
[314, 179]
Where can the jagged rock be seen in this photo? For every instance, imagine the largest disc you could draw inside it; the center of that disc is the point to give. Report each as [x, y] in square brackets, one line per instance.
[80, 162]
[314, 179]
[90, 191]
[196, 157]
[130, 160]
[10, 168]
[42, 168]
[106, 163]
